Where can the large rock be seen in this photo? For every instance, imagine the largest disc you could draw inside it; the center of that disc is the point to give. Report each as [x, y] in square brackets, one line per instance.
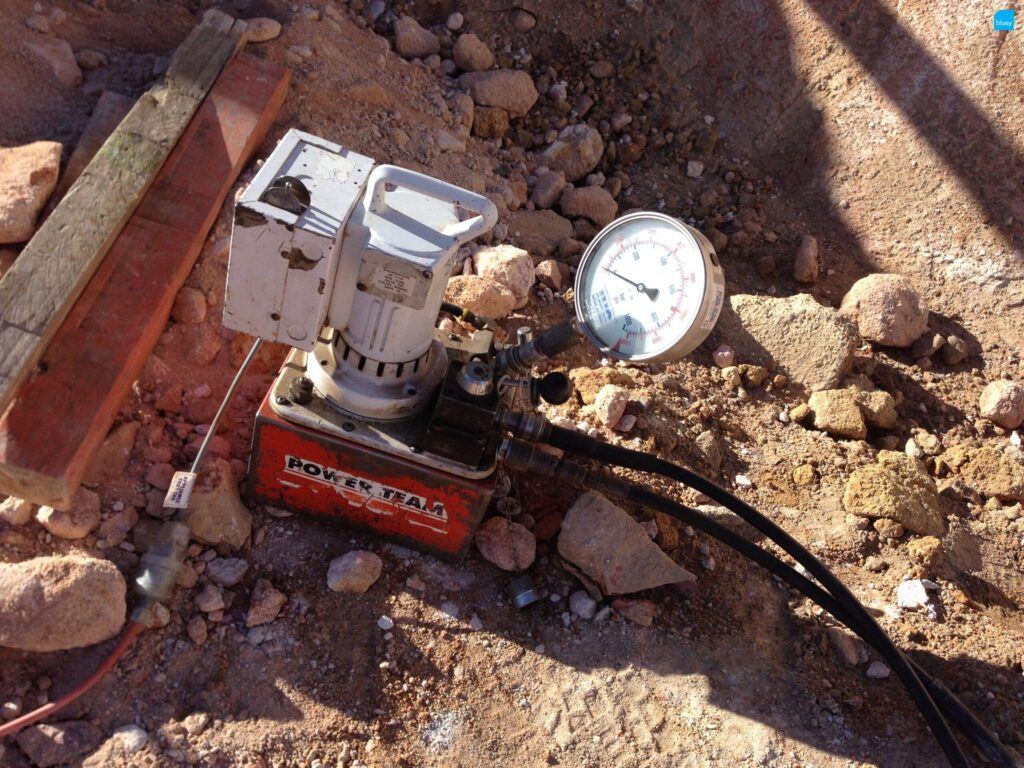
[510, 266]
[471, 54]
[54, 603]
[59, 743]
[887, 309]
[989, 471]
[837, 412]
[613, 549]
[508, 545]
[413, 41]
[1002, 403]
[539, 232]
[511, 89]
[480, 295]
[594, 203]
[354, 572]
[58, 55]
[897, 488]
[576, 151]
[267, 602]
[112, 458]
[216, 514]
[77, 522]
[28, 175]
[548, 189]
[810, 343]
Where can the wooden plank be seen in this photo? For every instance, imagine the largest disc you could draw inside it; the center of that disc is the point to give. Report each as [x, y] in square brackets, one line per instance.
[63, 412]
[109, 111]
[37, 293]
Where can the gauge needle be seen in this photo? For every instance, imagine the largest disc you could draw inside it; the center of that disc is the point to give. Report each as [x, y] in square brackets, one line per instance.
[652, 293]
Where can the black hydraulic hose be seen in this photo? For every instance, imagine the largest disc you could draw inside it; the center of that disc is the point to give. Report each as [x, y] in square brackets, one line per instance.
[461, 313]
[582, 445]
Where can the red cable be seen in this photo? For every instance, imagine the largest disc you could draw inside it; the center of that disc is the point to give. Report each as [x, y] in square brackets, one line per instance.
[14, 726]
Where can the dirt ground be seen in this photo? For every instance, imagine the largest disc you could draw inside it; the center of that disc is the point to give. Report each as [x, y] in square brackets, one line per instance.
[891, 131]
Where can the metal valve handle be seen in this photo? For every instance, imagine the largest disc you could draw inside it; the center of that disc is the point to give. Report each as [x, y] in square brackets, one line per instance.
[464, 231]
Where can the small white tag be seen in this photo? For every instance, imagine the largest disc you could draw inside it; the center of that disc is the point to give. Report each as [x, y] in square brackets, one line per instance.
[180, 490]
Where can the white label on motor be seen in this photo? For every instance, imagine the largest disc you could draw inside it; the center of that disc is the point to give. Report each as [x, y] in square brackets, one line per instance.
[180, 490]
[393, 282]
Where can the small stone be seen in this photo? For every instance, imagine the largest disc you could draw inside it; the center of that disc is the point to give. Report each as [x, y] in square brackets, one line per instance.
[626, 423]
[539, 232]
[877, 671]
[582, 605]
[28, 174]
[887, 309]
[59, 57]
[354, 572]
[1002, 403]
[837, 413]
[481, 295]
[209, 599]
[132, 738]
[897, 488]
[261, 29]
[799, 412]
[955, 350]
[511, 89]
[197, 630]
[926, 346]
[59, 602]
[989, 471]
[38, 23]
[602, 69]
[216, 514]
[724, 356]
[508, 545]
[15, 511]
[547, 189]
[708, 445]
[490, 122]
[159, 475]
[413, 41]
[523, 21]
[875, 564]
[915, 595]
[448, 143]
[455, 21]
[805, 475]
[888, 529]
[368, 92]
[266, 604]
[90, 60]
[846, 645]
[694, 169]
[610, 404]
[111, 460]
[593, 203]
[640, 612]
[189, 306]
[510, 266]
[226, 571]
[805, 265]
[926, 551]
[471, 54]
[78, 522]
[576, 151]
[386, 623]
[554, 274]
[59, 743]
[117, 526]
[878, 409]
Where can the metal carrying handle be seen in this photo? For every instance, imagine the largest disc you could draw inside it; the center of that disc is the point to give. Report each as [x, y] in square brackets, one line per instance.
[464, 231]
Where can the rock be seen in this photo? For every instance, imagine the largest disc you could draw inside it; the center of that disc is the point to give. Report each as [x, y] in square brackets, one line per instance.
[216, 514]
[593, 203]
[588, 382]
[210, 599]
[610, 404]
[413, 41]
[60, 602]
[724, 356]
[481, 295]
[261, 29]
[694, 169]
[60, 58]
[613, 549]
[927, 345]
[90, 60]
[189, 306]
[490, 122]
[133, 738]
[471, 54]
[368, 92]
[111, 460]
[926, 551]
[59, 743]
[888, 529]
[805, 265]
[226, 571]
[576, 152]
[812, 344]
[554, 274]
[511, 89]
[197, 630]
[455, 21]
[640, 612]
[539, 232]
[897, 488]
[510, 546]
[993, 473]
[76, 523]
[846, 645]
[448, 143]
[117, 526]
[522, 20]
[547, 189]
[955, 351]
[887, 310]
[1002, 403]
[915, 595]
[28, 175]
[878, 408]
[877, 671]
[800, 413]
[875, 564]
[354, 572]
[582, 605]
[708, 445]
[804, 475]
[15, 511]
[510, 266]
[38, 23]
[266, 604]
[836, 412]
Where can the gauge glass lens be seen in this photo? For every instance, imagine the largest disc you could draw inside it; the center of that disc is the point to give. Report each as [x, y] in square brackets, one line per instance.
[642, 286]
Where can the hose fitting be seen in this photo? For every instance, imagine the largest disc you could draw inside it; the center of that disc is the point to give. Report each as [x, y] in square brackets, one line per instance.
[158, 572]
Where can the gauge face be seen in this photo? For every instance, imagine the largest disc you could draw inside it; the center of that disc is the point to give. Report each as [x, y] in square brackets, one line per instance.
[648, 288]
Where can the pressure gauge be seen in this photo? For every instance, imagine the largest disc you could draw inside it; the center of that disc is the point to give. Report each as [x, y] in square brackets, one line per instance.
[649, 289]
